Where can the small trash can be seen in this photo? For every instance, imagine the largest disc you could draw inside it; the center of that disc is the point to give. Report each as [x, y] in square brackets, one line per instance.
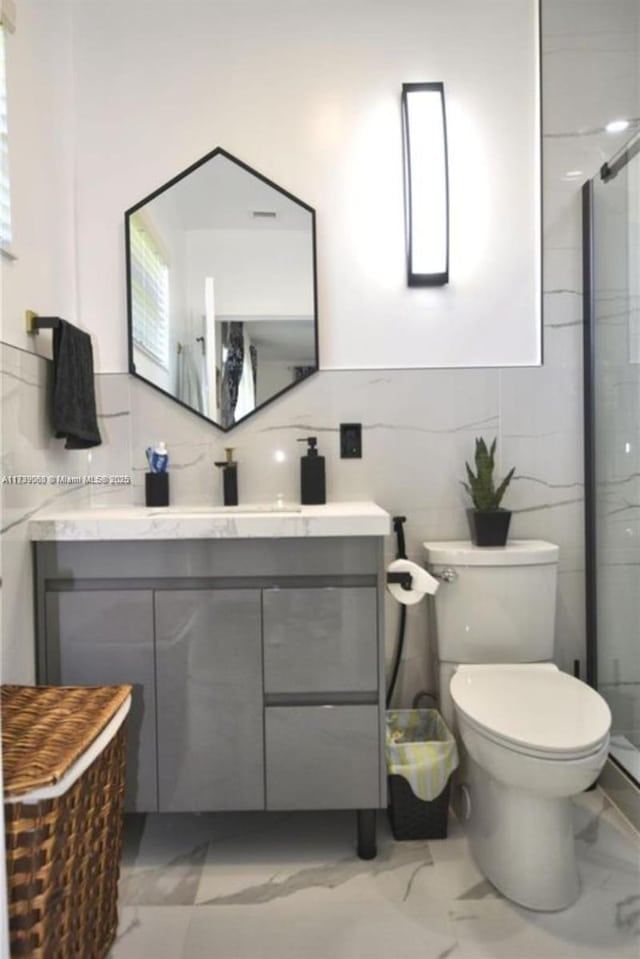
[421, 755]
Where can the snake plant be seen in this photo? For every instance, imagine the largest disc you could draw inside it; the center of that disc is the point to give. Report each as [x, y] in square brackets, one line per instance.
[481, 487]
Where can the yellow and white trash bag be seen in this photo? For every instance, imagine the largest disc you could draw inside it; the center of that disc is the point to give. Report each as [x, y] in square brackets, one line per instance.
[420, 748]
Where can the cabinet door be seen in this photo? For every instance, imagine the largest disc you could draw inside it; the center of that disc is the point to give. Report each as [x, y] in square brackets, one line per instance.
[322, 757]
[100, 637]
[210, 725]
[320, 640]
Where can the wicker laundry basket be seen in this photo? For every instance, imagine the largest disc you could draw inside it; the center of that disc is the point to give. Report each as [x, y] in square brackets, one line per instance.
[63, 767]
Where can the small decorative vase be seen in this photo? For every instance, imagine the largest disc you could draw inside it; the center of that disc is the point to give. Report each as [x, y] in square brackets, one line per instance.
[489, 527]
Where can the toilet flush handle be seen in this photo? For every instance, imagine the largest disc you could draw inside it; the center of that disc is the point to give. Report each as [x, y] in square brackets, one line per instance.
[446, 575]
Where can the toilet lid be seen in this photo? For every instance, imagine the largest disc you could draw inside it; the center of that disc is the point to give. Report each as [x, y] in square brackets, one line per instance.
[536, 708]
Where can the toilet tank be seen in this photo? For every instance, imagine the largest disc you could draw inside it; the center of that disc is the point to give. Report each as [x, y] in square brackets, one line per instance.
[500, 604]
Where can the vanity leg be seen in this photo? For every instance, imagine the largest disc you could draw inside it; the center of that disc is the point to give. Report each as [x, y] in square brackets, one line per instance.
[367, 847]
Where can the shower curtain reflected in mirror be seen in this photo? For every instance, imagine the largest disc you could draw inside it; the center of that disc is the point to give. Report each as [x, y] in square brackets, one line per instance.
[189, 378]
[614, 372]
[233, 352]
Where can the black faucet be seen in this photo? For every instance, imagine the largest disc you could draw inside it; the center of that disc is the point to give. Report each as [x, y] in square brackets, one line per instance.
[229, 469]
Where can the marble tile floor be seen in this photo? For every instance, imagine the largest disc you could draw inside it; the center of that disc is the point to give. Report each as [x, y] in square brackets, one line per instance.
[289, 886]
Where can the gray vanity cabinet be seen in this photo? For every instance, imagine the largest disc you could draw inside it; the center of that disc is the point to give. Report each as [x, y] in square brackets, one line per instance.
[99, 637]
[257, 664]
[209, 697]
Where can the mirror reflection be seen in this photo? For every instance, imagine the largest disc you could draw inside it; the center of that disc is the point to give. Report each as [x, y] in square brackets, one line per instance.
[221, 289]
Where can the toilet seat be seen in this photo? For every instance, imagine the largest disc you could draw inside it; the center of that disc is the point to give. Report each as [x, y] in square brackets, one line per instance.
[532, 709]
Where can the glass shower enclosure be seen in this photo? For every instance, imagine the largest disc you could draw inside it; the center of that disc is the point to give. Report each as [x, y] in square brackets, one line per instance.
[611, 218]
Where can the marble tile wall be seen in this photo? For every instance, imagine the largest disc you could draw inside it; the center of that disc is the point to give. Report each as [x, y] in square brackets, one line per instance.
[29, 451]
[418, 428]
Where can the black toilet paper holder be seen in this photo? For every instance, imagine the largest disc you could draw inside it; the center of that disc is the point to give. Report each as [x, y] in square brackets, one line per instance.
[404, 579]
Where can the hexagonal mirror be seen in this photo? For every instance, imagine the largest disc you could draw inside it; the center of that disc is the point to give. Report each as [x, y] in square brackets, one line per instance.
[221, 289]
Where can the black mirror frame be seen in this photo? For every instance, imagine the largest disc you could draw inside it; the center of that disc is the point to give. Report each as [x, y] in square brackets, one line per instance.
[219, 151]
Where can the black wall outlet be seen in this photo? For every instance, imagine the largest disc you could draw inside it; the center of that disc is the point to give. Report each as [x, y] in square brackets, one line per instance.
[351, 441]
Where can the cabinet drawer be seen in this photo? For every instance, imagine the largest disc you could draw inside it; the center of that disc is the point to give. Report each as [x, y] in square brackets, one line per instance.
[320, 640]
[322, 757]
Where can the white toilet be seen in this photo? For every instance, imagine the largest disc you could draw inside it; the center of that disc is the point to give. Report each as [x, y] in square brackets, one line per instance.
[532, 736]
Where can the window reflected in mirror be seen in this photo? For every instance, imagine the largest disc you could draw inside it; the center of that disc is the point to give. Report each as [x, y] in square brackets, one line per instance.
[221, 289]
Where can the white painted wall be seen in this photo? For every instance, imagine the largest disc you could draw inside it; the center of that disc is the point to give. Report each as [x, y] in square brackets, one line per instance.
[39, 77]
[42, 167]
[308, 94]
[273, 376]
[256, 272]
[42, 278]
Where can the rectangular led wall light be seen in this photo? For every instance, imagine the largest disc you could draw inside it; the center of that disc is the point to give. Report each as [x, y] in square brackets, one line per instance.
[426, 186]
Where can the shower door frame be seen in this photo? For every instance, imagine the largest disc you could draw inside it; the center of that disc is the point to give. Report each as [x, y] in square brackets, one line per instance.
[590, 531]
[607, 171]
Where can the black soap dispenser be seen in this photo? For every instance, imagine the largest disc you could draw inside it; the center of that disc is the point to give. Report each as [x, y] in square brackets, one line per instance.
[312, 481]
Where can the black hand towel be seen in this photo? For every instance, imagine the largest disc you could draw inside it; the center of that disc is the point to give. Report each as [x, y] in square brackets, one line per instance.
[74, 401]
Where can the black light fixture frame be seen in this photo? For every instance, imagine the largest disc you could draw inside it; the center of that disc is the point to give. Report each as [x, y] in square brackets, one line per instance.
[423, 279]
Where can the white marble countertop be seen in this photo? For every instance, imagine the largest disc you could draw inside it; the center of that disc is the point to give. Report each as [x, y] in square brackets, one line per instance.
[215, 522]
